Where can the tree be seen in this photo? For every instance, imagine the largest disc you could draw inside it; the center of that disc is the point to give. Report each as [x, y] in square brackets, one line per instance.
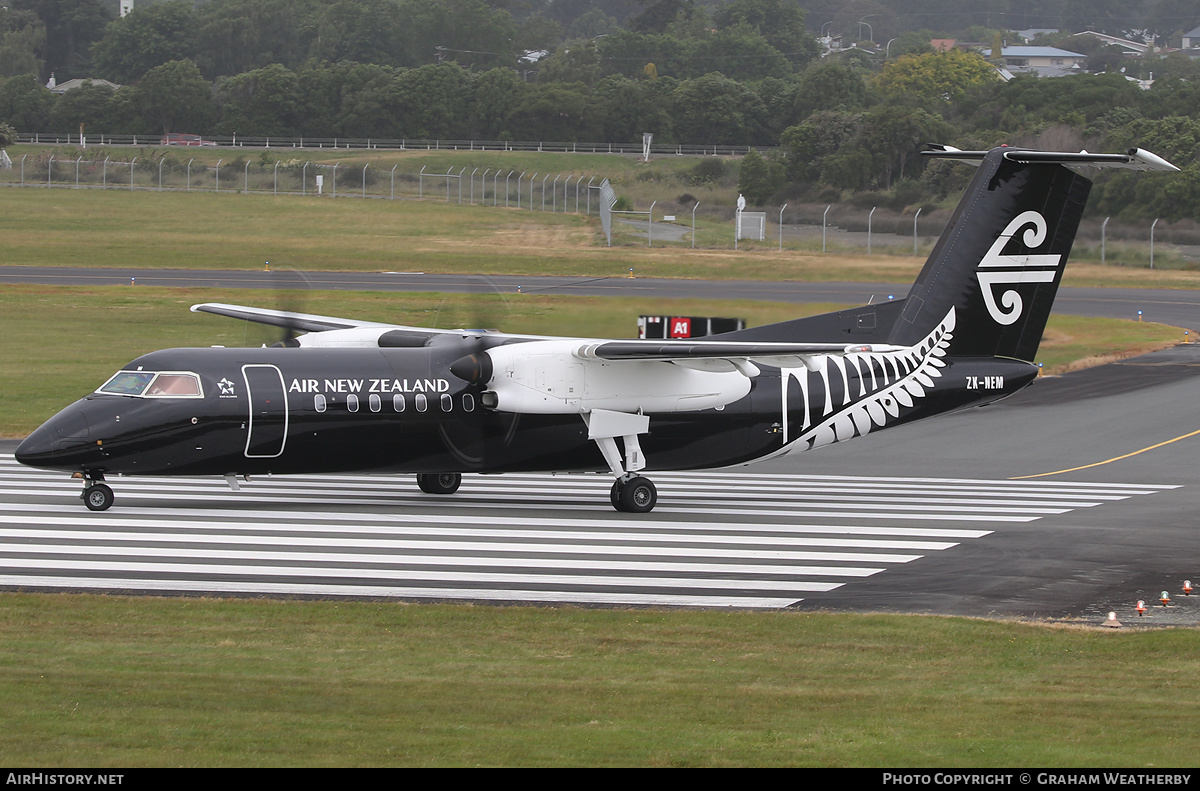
[71, 27]
[757, 179]
[90, 105]
[263, 103]
[494, 98]
[8, 136]
[176, 97]
[22, 38]
[432, 101]
[780, 22]
[148, 36]
[934, 76]
[25, 102]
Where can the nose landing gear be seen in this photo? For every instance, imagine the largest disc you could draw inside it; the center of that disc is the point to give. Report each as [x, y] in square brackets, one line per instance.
[439, 483]
[96, 495]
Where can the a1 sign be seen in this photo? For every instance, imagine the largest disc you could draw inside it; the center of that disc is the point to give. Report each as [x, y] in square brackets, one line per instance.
[681, 327]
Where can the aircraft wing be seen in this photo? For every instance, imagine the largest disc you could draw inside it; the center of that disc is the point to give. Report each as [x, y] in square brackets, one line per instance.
[307, 322]
[699, 353]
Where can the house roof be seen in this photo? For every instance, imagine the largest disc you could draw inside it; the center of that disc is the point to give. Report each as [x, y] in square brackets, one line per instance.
[71, 85]
[1038, 52]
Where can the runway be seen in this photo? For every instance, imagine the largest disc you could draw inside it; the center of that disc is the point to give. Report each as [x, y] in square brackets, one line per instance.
[1174, 307]
[716, 540]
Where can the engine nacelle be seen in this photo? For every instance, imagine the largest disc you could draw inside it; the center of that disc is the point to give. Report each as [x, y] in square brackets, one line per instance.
[548, 377]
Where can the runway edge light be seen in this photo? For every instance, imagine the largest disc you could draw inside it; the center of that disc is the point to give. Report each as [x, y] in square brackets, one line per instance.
[1112, 621]
[1165, 598]
[1141, 608]
[1187, 587]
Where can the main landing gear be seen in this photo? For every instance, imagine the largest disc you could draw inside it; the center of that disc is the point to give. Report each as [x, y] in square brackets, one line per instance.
[439, 482]
[637, 495]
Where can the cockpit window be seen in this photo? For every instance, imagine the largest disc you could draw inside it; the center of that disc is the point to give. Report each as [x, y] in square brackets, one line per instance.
[127, 383]
[173, 384]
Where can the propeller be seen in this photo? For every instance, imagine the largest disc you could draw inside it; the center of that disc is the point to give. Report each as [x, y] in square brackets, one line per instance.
[291, 287]
[470, 438]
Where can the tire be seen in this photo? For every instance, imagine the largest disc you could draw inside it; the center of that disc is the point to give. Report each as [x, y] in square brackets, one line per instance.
[439, 483]
[638, 496]
[98, 497]
[614, 496]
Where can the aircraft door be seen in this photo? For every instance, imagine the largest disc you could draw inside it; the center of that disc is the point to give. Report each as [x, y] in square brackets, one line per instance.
[266, 430]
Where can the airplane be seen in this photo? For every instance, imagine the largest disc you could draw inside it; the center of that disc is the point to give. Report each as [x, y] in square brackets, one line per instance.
[367, 397]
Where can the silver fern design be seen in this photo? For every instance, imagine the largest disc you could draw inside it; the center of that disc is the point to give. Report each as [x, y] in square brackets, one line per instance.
[886, 382]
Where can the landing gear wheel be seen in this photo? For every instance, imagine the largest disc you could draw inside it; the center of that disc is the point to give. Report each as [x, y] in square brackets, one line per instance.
[615, 495]
[439, 483]
[638, 496]
[98, 497]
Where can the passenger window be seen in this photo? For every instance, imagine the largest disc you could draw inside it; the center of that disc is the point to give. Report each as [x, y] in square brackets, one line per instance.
[398, 402]
[447, 402]
[422, 404]
[319, 402]
[374, 402]
[352, 402]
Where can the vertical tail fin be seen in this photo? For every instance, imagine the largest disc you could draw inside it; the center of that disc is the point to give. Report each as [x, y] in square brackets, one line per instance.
[998, 264]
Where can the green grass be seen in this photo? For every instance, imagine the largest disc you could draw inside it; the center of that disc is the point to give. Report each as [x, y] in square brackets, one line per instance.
[111, 681]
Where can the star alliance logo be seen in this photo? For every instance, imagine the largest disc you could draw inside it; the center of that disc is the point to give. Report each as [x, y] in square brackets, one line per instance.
[226, 388]
[1015, 269]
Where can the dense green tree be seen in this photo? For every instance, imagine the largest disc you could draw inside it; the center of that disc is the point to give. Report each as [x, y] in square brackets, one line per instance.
[467, 31]
[25, 102]
[895, 134]
[935, 76]
[148, 36]
[578, 61]
[558, 112]
[758, 181]
[634, 107]
[236, 36]
[830, 85]
[716, 109]
[659, 14]
[71, 28]
[365, 31]
[265, 102]
[807, 145]
[91, 106]
[431, 101]
[8, 135]
[22, 39]
[780, 22]
[176, 98]
[495, 95]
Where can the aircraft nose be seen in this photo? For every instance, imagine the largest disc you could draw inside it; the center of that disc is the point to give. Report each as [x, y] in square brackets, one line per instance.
[58, 442]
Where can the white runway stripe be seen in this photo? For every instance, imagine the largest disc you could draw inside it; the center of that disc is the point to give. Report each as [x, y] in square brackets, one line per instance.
[715, 540]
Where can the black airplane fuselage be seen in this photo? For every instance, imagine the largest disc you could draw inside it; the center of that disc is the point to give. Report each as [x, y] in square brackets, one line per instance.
[359, 396]
[291, 410]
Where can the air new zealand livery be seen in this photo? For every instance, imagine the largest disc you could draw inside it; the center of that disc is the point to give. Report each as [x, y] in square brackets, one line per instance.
[355, 396]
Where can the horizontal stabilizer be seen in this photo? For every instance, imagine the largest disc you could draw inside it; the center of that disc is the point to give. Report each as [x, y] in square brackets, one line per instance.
[1133, 159]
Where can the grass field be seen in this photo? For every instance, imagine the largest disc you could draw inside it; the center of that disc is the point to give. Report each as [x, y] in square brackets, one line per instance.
[124, 682]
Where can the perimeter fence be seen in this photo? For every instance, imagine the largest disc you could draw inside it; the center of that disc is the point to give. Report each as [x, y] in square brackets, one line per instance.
[175, 171]
[391, 144]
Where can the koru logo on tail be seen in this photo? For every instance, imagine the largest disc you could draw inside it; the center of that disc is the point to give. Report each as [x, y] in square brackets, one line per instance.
[996, 268]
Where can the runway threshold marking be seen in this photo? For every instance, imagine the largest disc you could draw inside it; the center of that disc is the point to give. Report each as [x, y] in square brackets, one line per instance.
[1106, 461]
